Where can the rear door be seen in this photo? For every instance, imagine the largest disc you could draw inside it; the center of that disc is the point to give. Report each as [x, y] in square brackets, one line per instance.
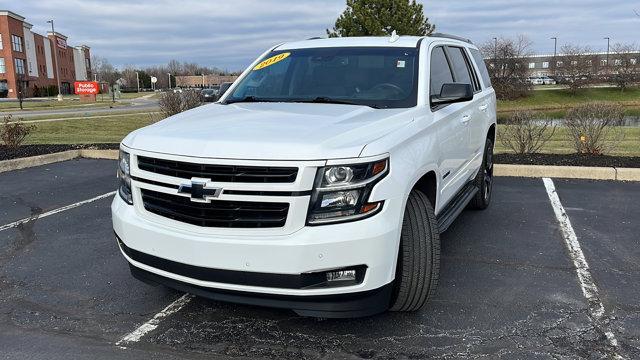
[464, 72]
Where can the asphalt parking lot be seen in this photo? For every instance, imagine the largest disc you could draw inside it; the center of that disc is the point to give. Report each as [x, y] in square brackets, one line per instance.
[509, 284]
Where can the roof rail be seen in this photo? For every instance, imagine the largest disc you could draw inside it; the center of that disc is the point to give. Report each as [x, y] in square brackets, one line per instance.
[315, 38]
[448, 36]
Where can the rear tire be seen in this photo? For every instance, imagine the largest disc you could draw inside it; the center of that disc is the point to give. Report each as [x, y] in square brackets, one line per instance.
[484, 180]
[418, 257]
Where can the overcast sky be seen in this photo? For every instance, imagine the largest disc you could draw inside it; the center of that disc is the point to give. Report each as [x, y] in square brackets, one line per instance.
[230, 34]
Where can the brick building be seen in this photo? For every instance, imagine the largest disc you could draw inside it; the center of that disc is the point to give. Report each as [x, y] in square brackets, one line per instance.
[27, 60]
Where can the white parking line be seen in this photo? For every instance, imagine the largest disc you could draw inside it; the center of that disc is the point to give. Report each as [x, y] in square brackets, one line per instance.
[55, 211]
[588, 286]
[153, 323]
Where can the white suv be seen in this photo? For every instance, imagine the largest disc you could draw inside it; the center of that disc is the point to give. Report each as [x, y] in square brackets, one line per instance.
[319, 182]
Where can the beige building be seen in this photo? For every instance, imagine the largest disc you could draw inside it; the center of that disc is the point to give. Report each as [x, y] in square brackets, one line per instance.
[203, 80]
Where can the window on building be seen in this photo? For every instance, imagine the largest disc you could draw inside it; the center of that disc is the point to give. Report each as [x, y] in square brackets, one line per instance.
[617, 62]
[633, 61]
[0, 41]
[559, 63]
[545, 65]
[532, 65]
[603, 62]
[87, 63]
[19, 66]
[3, 68]
[575, 62]
[16, 43]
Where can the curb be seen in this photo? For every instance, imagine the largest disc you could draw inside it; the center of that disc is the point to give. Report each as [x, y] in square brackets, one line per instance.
[22, 163]
[38, 160]
[568, 172]
[507, 170]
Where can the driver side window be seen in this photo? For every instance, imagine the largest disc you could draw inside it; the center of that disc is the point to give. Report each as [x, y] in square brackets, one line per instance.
[440, 71]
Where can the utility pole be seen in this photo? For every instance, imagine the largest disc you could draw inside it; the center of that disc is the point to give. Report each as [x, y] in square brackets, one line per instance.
[55, 58]
[608, 40]
[555, 53]
[203, 80]
[138, 80]
[169, 80]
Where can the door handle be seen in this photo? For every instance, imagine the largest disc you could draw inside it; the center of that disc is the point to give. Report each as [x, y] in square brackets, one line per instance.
[483, 107]
[466, 118]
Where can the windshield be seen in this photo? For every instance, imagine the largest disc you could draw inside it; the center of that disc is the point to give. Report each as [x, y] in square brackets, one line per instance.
[372, 76]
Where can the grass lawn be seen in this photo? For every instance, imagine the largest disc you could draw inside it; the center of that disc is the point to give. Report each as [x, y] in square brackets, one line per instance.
[560, 143]
[79, 131]
[561, 99]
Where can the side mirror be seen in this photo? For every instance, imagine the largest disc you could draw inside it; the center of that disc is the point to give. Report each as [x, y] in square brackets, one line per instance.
[453, 93]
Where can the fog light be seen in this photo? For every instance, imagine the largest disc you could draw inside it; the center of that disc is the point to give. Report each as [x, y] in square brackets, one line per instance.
[341, 275]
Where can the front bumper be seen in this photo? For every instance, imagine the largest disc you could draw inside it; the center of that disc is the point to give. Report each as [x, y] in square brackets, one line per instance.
[371, 243]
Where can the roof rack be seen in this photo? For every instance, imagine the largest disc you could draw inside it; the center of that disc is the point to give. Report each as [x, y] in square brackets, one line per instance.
[448, 36]
[315, 38]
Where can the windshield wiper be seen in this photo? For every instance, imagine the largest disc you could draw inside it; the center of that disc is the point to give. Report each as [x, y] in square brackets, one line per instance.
[326, 100]
[249, 98]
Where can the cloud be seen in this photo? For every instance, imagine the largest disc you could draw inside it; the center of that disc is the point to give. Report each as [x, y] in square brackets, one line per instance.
[230, 34]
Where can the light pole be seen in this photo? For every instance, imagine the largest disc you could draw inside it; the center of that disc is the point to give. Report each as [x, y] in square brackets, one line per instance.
[203, 80]
[555, 53]
[495, 48]
[169, 80]
[608, 39]
[138, 80]
[55, 58]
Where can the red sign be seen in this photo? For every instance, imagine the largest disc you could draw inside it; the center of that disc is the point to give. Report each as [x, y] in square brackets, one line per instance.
[86, 87]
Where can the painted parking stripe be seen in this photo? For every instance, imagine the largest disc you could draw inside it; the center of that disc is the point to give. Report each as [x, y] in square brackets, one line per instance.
[588, 286]
[153, 323]
[55, 211]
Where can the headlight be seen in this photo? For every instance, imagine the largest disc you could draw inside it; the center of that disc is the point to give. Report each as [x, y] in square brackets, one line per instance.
[341, 192]
[124, 176]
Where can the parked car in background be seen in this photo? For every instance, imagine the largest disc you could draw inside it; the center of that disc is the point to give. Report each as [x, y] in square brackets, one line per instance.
[223, 88]
[547, 80]
[177, 90]
[535, 80]
[209, 95]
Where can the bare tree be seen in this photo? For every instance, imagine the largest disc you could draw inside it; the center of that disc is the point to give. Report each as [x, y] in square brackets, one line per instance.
[577, 66]
[526, 133]
[507, 66]
[129, 78]
[626, 65]
[21, 89]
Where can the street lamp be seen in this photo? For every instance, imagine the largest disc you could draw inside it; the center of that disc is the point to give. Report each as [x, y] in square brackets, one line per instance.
[608, 39]
[55, 58]
[169, 80]
[555, 52]
[138, 80]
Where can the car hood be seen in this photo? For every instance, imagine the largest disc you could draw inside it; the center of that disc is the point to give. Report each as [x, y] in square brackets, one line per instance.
[269, 131]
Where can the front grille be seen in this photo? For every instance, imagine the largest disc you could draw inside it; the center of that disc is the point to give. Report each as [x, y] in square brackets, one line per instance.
[219, 173]
[227, 214]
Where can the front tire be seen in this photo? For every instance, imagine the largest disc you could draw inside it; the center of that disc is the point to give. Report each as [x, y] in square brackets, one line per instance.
[418, 257]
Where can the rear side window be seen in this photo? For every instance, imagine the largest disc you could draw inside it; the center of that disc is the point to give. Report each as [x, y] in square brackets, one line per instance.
[459, 64]
[477, 57]
[440, 71]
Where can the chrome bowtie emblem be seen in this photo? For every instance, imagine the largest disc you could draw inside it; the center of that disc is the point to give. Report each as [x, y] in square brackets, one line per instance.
[201, 190]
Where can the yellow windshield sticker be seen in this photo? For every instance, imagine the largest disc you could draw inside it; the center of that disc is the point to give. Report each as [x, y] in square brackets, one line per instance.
[272, 60]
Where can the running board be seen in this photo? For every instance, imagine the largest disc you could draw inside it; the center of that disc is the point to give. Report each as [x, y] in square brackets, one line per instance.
[451, 211]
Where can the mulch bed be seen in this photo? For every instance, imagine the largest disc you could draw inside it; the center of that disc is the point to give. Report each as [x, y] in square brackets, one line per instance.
[528, 159]
[33, 150]
[568, 160]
